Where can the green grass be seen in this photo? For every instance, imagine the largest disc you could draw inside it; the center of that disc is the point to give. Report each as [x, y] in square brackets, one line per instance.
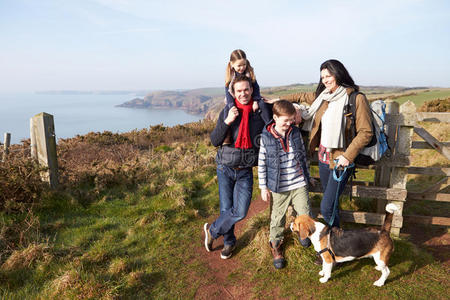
[412, 270]
[421, 98]
[131, 245]
[292, 90]
[141, 241]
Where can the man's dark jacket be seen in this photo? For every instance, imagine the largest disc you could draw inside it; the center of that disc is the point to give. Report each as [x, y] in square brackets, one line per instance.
[228, 155]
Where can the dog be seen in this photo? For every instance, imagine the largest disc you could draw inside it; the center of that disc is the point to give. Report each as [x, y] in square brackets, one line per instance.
[336, 245]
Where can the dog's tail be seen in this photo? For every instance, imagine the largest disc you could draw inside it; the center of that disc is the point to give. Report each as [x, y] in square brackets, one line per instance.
[390, 209]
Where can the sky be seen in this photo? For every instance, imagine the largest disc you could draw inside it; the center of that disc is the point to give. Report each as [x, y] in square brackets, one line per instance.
[178, 44]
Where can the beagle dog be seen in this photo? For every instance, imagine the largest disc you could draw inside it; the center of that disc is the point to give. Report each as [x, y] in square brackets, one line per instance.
[336, 245]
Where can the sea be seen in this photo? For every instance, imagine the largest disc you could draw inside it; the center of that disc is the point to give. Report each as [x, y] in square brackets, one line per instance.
[78, 114]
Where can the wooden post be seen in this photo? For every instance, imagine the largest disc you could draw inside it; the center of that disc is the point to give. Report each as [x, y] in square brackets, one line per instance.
[383, 172]
[399, 175]
[7, 141]
[43, 146]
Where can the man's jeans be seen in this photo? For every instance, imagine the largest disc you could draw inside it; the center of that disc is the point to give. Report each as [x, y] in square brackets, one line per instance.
[331, 192]
[235, 193]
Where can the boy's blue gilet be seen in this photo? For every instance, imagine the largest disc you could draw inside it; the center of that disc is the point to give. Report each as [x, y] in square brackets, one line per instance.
[273, 150]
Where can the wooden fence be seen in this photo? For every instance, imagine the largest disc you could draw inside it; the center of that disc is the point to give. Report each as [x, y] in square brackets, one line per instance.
[6, 143]
[43, 146]
[391, 172]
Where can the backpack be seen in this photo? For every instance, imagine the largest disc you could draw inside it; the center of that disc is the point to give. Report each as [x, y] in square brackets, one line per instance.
[378, 146]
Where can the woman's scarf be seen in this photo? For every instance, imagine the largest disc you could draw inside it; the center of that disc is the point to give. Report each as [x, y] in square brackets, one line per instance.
[332, 120]
[243, 140]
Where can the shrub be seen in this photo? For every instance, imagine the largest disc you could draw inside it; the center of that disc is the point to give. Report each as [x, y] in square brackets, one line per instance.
[437, 105]
[20, 181]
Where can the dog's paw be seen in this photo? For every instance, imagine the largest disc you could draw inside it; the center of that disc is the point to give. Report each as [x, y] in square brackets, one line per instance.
[321, 273]
[378, 268]
[323, 279]
[378, 283]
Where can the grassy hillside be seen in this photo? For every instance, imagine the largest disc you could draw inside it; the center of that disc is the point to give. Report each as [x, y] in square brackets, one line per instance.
[426, 95]
[209, 101]
[115, 227]
[126, 223]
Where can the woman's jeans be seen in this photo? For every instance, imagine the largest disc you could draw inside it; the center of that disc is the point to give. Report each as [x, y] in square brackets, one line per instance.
[235, 193]
[332, 190]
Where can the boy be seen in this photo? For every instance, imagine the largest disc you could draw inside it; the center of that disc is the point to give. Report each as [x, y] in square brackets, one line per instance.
[283, 172]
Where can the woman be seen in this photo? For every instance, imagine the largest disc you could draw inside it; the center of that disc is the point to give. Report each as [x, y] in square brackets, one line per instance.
[330, 131]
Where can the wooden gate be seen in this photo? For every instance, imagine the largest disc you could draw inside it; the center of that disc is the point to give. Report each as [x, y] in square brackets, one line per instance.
[391, 172]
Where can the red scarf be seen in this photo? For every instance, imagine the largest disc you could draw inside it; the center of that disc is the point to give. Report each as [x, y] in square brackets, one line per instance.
[243, 140]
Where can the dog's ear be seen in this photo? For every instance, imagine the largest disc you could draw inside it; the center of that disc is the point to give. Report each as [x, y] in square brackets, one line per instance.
[303, 230]
[295, 226]
[311, 226]
[306, 227]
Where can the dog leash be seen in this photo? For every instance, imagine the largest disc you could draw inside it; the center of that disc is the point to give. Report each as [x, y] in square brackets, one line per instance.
[339, 179]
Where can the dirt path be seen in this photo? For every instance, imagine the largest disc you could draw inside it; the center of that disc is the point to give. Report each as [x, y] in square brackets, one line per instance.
[219, 269]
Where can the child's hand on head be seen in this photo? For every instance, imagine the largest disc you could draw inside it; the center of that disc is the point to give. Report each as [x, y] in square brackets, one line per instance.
[255, 106]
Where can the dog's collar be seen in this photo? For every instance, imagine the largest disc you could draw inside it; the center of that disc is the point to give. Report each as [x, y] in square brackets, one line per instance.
[329, 251]
[327, 248]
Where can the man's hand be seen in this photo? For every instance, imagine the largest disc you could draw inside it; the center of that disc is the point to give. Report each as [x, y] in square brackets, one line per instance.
[233, 113]
[265, 195]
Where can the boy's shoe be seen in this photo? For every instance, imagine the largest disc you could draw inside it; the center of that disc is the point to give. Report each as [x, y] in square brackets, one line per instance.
[208, 238]
[227, 251]
[277, 253]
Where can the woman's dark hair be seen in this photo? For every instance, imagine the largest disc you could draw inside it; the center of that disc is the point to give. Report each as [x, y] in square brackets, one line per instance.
[340, 73]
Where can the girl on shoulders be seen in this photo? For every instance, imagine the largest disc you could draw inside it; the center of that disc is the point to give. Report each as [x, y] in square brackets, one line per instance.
[239, 65]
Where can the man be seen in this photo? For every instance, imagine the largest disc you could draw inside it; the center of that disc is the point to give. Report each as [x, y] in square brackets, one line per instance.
[234, 164]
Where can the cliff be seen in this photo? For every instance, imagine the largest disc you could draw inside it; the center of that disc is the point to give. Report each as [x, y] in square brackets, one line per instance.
[196, 101]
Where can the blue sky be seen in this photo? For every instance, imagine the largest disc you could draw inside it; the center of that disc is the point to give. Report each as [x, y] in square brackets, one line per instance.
[121, 45]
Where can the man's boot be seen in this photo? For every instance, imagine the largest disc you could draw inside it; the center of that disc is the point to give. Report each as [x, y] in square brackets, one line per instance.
[277, 253]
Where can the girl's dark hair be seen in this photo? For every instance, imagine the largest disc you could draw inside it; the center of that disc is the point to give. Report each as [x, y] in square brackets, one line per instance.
[340, 73]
